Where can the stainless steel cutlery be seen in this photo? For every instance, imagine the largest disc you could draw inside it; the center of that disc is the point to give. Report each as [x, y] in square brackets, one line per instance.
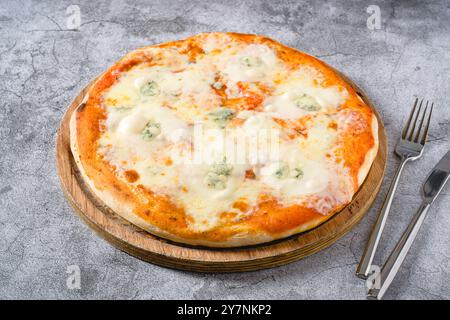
[430, 190]
[410, 147]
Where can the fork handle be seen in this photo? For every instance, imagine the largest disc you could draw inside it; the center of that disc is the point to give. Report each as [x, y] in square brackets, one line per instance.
[366, 261]
[397, 256]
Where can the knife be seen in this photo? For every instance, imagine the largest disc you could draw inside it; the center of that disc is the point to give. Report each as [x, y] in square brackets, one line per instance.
[430, 190]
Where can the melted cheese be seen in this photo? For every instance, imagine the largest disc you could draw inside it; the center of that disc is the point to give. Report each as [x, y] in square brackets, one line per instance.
[180, 158]
[315, 178]
[261, 64]
[282, 104]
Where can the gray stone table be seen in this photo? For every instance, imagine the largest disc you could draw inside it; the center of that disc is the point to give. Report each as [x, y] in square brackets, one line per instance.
[43, 65]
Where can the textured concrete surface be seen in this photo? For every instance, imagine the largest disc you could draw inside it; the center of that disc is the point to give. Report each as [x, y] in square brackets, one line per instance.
[43, 66]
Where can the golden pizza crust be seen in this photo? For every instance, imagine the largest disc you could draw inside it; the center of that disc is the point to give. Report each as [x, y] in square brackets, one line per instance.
[370, 155]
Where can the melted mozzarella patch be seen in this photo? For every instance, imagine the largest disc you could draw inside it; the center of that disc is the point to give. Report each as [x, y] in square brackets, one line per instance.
[253, 63]
[314, 179]
[180, 96]
[284, 104]
[205, 203]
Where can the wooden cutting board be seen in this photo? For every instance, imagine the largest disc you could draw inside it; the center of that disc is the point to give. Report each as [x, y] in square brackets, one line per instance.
[145, 246]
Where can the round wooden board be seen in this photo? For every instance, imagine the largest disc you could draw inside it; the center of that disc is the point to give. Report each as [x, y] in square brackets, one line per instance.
[145, 246]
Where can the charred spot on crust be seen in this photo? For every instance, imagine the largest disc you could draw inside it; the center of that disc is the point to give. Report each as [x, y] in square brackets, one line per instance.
[131, 176]
[249, 174]
[361, 95]
[81, 107]
[333, 125]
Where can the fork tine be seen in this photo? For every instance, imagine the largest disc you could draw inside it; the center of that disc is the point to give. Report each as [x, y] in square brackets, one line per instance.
[425, 134]
[405, 129]
[415, 121]
[416, 139]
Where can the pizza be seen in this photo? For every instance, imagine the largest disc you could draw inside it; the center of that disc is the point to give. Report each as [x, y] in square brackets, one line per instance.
[223, 140]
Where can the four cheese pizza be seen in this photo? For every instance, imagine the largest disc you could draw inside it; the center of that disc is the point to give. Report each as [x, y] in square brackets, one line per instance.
[223, 140]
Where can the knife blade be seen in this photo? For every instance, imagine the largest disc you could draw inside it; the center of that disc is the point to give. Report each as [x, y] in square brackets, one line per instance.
[436, 179]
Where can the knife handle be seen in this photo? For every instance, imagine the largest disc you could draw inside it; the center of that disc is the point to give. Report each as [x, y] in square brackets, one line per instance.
[397, 256]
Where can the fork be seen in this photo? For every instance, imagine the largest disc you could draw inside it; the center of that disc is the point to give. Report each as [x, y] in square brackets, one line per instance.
[409, 148]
